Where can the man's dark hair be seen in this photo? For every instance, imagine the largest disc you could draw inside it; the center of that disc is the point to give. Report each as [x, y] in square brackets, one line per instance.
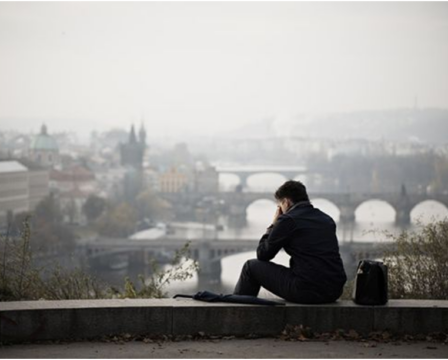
[293, 190]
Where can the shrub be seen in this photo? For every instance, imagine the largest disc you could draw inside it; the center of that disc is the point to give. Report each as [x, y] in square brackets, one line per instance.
[17, 276]
[21, 280]
[180, 269]
[418, 263]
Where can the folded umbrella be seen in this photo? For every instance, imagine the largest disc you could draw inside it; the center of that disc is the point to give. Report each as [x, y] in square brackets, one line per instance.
[230, 298]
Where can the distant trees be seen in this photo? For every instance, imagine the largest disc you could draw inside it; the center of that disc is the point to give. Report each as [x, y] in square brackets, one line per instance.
[108, 218]
[358, 173]
[117, 221]
[94, 207]
[48, 229]
[120, 219]
[149, 205]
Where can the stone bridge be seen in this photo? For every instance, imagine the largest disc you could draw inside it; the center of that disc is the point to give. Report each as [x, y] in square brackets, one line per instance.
[244, 172]
[236, 203]
[209, 252]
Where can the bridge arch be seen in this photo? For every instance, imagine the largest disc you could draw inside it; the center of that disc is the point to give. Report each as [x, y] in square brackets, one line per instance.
[248, 180]
[328, 207]
[228, 181]
[375, 210]
[232, 265]
[260, 212]
[428, 210]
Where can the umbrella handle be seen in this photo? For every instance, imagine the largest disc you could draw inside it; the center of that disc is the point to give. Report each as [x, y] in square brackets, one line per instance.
[183, 296]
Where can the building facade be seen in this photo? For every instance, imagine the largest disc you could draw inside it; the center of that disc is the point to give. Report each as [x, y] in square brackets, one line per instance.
[173, 181]
[39, 181]
[206, 179]
[14, 190]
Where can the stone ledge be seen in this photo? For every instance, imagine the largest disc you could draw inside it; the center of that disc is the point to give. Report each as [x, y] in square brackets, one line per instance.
[74, 319]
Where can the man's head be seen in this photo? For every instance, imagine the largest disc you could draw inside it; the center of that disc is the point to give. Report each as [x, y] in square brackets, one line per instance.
[290, 193]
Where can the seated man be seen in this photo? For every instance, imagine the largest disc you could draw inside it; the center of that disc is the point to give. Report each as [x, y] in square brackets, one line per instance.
[316, 274]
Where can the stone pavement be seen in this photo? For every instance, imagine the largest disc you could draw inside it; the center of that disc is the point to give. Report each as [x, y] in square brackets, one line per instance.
[232, 348]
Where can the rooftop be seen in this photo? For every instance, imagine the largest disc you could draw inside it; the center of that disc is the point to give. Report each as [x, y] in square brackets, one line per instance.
[11, 167]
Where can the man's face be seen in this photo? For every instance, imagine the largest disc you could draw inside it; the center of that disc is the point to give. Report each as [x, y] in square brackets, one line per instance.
[284, 204]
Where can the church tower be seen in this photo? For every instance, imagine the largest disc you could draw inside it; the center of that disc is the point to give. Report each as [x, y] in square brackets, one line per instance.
[44, 149]
[142, 135]
[133, 151]
[132, 136]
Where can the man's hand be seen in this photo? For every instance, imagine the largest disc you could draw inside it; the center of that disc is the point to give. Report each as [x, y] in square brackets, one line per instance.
[277, 214]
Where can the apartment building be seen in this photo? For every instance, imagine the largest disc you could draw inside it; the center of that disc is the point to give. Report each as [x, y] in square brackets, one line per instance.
[14, 190]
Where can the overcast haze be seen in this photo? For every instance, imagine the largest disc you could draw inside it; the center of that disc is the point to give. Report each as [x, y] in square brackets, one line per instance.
[202, 68]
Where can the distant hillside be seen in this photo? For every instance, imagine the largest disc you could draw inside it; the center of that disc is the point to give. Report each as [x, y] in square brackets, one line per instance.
[425, 125]
[422, 125]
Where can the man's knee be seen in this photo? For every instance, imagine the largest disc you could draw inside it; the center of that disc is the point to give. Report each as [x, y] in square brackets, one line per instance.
[250, 266]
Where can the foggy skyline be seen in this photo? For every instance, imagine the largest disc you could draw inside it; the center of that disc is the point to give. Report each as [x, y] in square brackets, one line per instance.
[201, 68]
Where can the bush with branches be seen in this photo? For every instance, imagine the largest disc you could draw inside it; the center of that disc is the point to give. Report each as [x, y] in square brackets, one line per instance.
[21, 280]
[418, 263]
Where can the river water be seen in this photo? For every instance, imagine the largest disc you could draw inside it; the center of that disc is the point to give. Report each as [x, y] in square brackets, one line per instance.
[373, 218]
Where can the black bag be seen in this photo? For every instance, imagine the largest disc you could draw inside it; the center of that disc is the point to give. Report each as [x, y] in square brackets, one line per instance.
[370, 283]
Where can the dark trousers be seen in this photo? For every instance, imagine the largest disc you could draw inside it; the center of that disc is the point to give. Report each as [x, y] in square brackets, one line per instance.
[280, 281]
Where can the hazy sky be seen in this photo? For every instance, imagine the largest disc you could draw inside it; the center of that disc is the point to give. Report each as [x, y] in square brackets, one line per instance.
[207, 66]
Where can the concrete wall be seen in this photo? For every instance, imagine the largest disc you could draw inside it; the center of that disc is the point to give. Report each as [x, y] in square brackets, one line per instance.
[80, 319]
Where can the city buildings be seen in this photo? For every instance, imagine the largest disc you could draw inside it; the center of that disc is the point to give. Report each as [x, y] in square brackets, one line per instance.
[14, 190]
[39, 179]
[22, 186]
[173, 180]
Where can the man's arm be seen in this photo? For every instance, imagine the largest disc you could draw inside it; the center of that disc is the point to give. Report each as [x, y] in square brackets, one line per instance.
[275, 238]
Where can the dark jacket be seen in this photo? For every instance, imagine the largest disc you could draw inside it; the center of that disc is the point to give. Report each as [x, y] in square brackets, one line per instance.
[308, 235]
